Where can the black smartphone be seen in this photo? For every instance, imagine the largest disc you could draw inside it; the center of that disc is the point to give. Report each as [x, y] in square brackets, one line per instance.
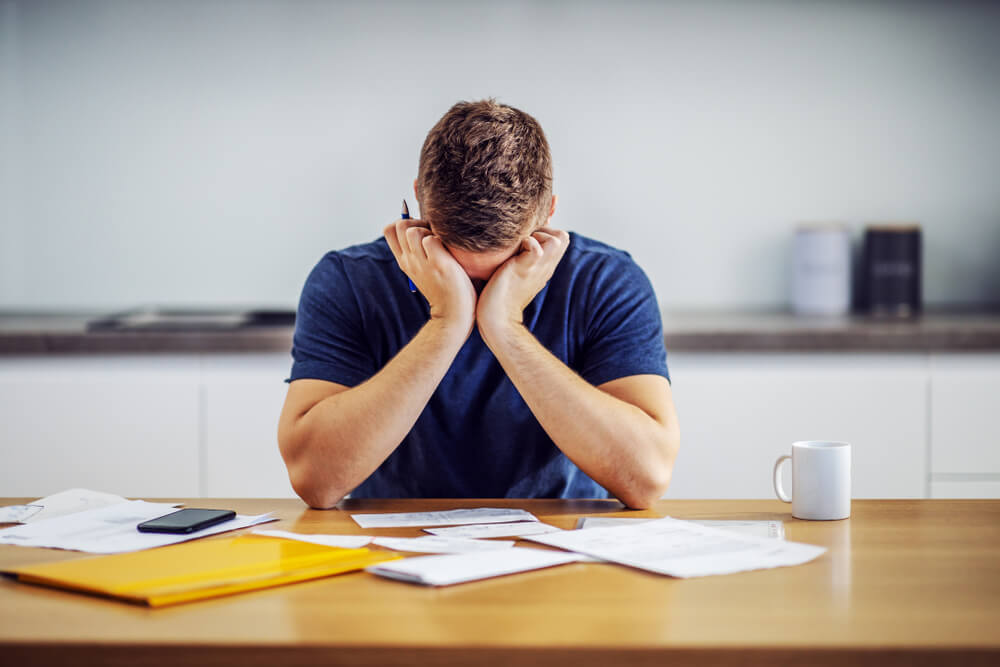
[185, 521]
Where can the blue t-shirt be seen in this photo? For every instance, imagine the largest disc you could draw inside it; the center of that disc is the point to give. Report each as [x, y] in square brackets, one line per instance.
[476, 437]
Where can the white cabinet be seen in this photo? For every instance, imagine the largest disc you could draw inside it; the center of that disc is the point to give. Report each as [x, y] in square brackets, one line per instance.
[206, 425]
[966, 488]
[242, 398]
[143, 426]
[965, 402]
[965, 425]
[739, 412]
[126, 425]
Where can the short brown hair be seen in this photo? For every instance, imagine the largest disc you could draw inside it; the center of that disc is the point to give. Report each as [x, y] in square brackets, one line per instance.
[485, 176]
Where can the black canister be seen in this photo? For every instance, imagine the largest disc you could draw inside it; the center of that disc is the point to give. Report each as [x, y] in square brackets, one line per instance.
[890, 270]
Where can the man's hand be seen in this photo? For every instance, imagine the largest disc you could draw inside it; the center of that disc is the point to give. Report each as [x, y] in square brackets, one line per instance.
[437, 275]
[518, 280]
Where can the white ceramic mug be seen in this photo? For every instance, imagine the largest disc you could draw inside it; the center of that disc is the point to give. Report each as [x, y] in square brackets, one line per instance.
[821, 480]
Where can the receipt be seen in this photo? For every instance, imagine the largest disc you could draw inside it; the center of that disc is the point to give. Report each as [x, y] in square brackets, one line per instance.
[761, 528]
[445, 518]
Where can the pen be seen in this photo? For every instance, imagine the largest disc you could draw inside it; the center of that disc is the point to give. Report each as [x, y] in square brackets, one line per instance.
[406, 216]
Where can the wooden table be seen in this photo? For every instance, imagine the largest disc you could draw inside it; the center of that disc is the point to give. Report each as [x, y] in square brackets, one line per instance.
[904, 582]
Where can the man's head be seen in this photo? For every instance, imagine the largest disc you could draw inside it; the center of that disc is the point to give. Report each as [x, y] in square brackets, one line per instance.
[485, 182]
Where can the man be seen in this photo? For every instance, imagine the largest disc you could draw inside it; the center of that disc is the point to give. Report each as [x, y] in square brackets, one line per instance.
[529, 362]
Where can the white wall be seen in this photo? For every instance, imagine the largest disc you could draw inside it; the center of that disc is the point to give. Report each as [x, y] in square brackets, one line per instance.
[209, 152]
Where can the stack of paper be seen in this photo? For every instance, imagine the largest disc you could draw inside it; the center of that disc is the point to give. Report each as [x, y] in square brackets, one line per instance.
[681, 548]
[459, 568]
[58, 504]
[19, 513]
[112, 529]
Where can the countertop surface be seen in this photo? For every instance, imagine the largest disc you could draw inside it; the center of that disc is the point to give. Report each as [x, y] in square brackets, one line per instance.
[710, 331]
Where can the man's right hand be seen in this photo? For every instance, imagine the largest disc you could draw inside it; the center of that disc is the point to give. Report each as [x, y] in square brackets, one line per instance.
[437, 275]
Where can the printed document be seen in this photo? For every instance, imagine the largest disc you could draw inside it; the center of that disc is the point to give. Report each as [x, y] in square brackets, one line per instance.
[477, 531]
[459, 568]
[112, 529]
[681, 548]
[18, 513]
[446, 518]
[440, 545]
[59, 504]
[772, 529]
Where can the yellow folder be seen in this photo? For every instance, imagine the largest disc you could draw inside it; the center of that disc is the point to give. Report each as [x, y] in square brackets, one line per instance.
[198, 570]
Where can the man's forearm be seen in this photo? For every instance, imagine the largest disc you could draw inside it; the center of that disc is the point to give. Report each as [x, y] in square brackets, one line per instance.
[617, 444]
[345, 437]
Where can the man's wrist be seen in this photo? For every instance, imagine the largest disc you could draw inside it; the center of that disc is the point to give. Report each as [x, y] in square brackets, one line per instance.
[498, 332]
[451, 327]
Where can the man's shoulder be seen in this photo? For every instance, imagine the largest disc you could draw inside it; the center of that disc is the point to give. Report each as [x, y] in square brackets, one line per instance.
[585, 249]
[590, 255]
[371, 257]
[372, 251]
[365, 264]
[593, 269]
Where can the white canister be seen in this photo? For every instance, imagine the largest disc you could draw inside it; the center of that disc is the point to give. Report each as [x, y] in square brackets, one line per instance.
[821, 269]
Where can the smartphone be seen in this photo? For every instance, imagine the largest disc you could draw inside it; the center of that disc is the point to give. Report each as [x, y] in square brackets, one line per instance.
[185, 521]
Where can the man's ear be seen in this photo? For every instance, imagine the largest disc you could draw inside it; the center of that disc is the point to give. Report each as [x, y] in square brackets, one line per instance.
[416, 193]
[552, 210]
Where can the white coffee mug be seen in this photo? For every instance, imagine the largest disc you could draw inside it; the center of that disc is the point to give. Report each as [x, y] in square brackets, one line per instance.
[821, 480]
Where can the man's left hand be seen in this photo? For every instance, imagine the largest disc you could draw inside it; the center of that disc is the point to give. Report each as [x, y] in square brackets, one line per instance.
[512, 287]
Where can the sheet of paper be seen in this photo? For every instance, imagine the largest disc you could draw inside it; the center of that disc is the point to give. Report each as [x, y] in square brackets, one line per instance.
[434, 544]
[18, 513]
[71, 501]
[112, 529]
[459, 568]
[487, 530]
[343, 541]
[445, 518]
[681, 548]
[772, 529]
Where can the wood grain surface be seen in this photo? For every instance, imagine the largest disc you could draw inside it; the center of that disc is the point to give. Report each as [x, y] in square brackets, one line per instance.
[904, 582]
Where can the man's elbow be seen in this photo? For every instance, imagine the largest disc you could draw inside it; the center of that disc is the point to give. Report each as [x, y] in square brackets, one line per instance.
[321, 501]
[318, 496]
[649, 487]
[643, 493]
[305, 480]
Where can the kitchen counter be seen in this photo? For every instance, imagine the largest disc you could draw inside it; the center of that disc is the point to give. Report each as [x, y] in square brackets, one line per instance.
[776, 331]
[27, 333]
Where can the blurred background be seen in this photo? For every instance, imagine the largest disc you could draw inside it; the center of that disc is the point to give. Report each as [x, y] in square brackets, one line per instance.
[193, 157]
[208, 152]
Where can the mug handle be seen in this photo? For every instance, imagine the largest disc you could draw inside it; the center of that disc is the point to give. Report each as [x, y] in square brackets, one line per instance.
[778, 488]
